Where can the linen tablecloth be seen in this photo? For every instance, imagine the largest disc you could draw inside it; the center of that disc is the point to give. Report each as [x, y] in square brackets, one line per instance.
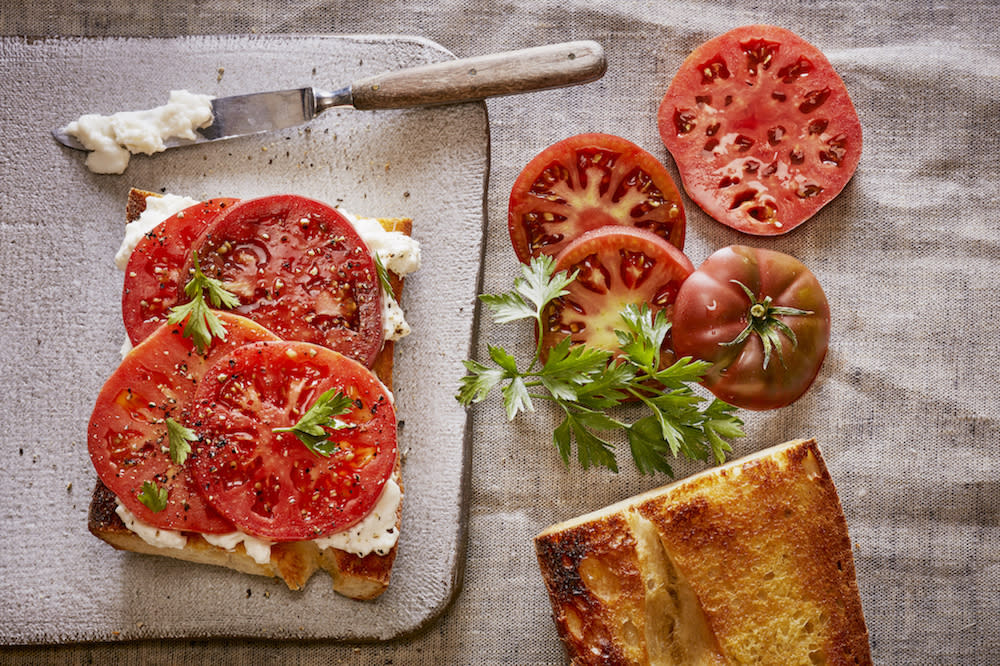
[905, 407]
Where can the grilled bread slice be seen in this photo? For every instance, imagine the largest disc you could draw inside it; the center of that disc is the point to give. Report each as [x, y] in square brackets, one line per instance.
[295, 562]
[746, 563]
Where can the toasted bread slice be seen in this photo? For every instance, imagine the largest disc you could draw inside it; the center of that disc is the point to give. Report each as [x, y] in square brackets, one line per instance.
[749, 562]
[353, 576]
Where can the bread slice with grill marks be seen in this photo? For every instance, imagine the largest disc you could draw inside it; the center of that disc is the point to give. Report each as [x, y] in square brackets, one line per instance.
[295, 562]
[747, 563]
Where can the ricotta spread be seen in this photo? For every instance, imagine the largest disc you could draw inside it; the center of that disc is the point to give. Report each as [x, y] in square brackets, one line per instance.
[157, 210]
[400, 254]
[113, 139]
[376, 533]
[154, 536]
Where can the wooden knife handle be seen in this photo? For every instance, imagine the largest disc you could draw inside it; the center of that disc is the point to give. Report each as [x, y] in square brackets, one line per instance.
[470, 79]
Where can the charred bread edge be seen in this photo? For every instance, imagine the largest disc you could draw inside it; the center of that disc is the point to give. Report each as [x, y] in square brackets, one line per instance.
[354, 577]
[551, 563]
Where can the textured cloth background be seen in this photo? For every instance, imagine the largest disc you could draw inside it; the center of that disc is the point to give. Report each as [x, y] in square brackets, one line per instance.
[905, 407]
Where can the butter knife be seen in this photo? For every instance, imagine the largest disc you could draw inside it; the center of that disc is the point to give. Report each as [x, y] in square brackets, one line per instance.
[449, 82]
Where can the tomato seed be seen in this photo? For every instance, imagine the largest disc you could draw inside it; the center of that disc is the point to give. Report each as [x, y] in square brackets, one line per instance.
[818, 125]
[814, 99]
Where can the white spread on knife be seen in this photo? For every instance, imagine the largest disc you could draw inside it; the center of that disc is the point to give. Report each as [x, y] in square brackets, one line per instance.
[114, 139]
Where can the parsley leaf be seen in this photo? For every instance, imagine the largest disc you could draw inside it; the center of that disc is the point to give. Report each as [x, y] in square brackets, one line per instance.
[179, 438]
[312, 427]
[202, 324]
[383, 274]
[153, 496]
[587, 384]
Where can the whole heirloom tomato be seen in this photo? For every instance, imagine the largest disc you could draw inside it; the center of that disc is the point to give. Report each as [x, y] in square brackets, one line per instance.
[762, 129]
[761, 318]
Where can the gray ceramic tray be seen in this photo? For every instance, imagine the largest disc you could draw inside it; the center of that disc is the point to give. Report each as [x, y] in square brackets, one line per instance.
[59, 228]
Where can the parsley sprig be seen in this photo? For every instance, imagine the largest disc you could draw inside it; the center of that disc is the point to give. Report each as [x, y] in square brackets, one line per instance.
[383, 274]
[588, 384]
[154, 497]
[312, 427]
[179, 438]
[202, 324]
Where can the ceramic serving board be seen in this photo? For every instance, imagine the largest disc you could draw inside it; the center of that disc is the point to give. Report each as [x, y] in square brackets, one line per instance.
[61, 333]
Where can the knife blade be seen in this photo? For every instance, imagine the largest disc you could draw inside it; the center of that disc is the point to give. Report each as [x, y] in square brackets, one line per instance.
[448, 82]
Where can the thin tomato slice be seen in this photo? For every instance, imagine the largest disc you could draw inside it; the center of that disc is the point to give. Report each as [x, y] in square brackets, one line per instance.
[154, 277]
[271, 484]
[127, 435]
[586, 182]
[301, 270]
[762, 129]
[618, 266]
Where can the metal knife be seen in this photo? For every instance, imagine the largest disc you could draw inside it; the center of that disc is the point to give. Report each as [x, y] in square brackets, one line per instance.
[449, 82]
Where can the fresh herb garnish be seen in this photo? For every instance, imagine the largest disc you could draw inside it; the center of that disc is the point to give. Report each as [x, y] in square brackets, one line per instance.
[179, 438]
[383, 274]
[312, 427]
[586, 383]
[202, 324]
[154, 497]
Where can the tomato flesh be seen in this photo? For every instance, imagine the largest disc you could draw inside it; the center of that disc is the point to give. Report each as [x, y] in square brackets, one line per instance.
[270, 484]
[712, 310]
[586, 182]
[762, 129]
[618, 266]
[154, 277]
[127, 435]
[301, 270]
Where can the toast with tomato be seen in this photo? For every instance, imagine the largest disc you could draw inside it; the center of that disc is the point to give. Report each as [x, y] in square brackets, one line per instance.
[749, 562]
[250, 353]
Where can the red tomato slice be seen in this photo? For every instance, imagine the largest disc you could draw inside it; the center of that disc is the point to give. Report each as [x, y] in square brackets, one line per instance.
[301, 270]
[762, 129]
[589, 181]
[270, 484]
[127, 436]
[154, 281]
[712, 311]
[618, 266]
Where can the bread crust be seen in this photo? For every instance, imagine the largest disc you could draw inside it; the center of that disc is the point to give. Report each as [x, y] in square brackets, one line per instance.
[754, 556]
[294, 562]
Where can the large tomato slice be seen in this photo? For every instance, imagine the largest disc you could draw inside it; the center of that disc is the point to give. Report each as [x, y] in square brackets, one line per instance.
[618, 266]
[766, 346]
[127, 436]
[762, 129]
[301, 270]
[154, 281]
[270, 484]
[589, 181]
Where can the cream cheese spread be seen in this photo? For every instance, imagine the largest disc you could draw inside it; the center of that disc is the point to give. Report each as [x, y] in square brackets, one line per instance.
[376, 533]
[113, 139]
[154, 536]
[157, 210]
[400, 254]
